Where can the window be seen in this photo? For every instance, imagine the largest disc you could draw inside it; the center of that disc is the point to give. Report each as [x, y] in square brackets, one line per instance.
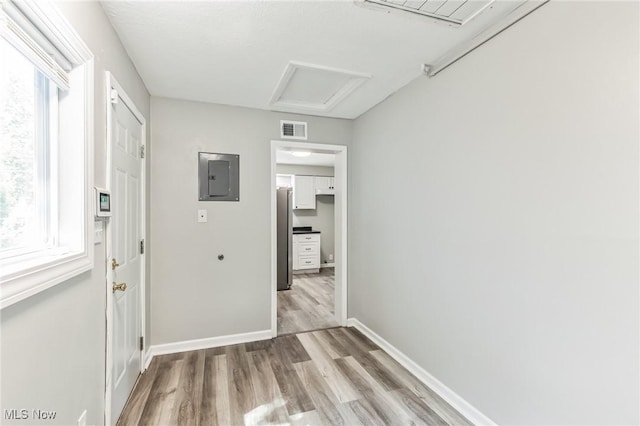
[45, 145]
[28, 118]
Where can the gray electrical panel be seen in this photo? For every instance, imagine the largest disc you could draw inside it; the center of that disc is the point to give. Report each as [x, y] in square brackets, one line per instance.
[218, 177]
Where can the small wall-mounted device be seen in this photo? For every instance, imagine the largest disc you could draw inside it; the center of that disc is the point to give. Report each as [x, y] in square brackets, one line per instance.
[103, 202]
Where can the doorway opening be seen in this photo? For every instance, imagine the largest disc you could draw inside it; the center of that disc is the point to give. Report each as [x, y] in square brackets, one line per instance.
[308, 193]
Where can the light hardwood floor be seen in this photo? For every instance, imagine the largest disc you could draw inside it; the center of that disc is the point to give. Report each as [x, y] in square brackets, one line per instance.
[327, 377]
[308, 304]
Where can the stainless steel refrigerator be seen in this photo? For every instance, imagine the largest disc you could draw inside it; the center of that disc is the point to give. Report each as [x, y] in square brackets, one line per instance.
[284, 232]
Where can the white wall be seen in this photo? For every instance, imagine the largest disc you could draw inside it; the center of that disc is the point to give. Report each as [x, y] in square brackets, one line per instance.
[494, 219]
[52, 344]
[322, 218]
[194, 295]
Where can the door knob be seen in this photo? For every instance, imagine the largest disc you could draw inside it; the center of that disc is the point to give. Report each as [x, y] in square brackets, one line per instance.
[114, 264]
[121, 287]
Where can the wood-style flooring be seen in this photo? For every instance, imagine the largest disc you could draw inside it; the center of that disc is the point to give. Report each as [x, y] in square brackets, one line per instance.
[308, 304]
[328, 377]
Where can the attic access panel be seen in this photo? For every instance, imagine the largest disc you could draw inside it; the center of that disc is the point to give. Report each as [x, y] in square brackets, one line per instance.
[315, 87]
[218, 177]
[457, 12]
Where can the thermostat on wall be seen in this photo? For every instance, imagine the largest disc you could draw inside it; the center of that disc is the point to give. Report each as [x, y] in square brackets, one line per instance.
[103, 202]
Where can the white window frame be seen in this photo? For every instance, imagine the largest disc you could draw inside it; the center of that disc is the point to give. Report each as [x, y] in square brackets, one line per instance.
[36, 274]
[45, 145]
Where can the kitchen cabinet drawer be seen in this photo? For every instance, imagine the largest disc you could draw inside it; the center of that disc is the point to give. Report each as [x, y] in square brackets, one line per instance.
[308, 262]
[306, 238]
[307, 249]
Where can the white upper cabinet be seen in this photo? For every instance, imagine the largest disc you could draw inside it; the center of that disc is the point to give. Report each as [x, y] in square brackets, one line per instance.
[304, 194]
[305, 189]
[324, 185]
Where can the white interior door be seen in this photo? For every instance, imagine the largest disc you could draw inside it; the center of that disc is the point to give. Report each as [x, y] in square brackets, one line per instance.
[126, 235]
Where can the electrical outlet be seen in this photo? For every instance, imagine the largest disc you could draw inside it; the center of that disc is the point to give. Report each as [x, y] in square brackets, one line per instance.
[202, 216]
[331, 257]
[82, 420]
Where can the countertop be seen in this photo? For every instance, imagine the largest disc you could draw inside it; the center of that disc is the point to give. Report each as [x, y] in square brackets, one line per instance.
[304, 230]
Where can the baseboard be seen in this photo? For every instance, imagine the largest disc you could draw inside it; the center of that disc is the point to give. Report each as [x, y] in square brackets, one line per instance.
[327, 265]
[455, 400]
[209, 342]
[148, 356]
[306, 271]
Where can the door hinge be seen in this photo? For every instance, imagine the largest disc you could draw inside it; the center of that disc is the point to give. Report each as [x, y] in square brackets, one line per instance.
[141, 151]
[141, 246]
[141, 343]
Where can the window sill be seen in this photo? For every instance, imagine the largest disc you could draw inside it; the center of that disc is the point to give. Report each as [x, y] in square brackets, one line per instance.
[35, 277]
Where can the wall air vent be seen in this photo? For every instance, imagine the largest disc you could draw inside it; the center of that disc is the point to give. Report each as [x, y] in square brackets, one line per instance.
[293, 130]
[457, 12]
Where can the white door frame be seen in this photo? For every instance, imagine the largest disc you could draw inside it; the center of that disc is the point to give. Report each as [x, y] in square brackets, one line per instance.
[111, 82]
[340, 172]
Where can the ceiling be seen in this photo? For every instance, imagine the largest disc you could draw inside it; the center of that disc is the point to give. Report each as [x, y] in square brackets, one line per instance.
[241, 52]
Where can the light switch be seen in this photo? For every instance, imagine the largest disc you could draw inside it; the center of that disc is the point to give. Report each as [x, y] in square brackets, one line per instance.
[202, 216]
[98, 232]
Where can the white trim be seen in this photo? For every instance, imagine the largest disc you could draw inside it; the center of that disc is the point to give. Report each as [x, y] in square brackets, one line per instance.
[274, 247]
[327, 265]
[209, 342]
[357, 79]
[108, 367]
[340, 172]
[20, 285]
[36, 280]
[341, 220]
[460, 51]
[110, 82]
[456, 401]
[18, 30]
[434, 15]
[55, 27]
[148, 356]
